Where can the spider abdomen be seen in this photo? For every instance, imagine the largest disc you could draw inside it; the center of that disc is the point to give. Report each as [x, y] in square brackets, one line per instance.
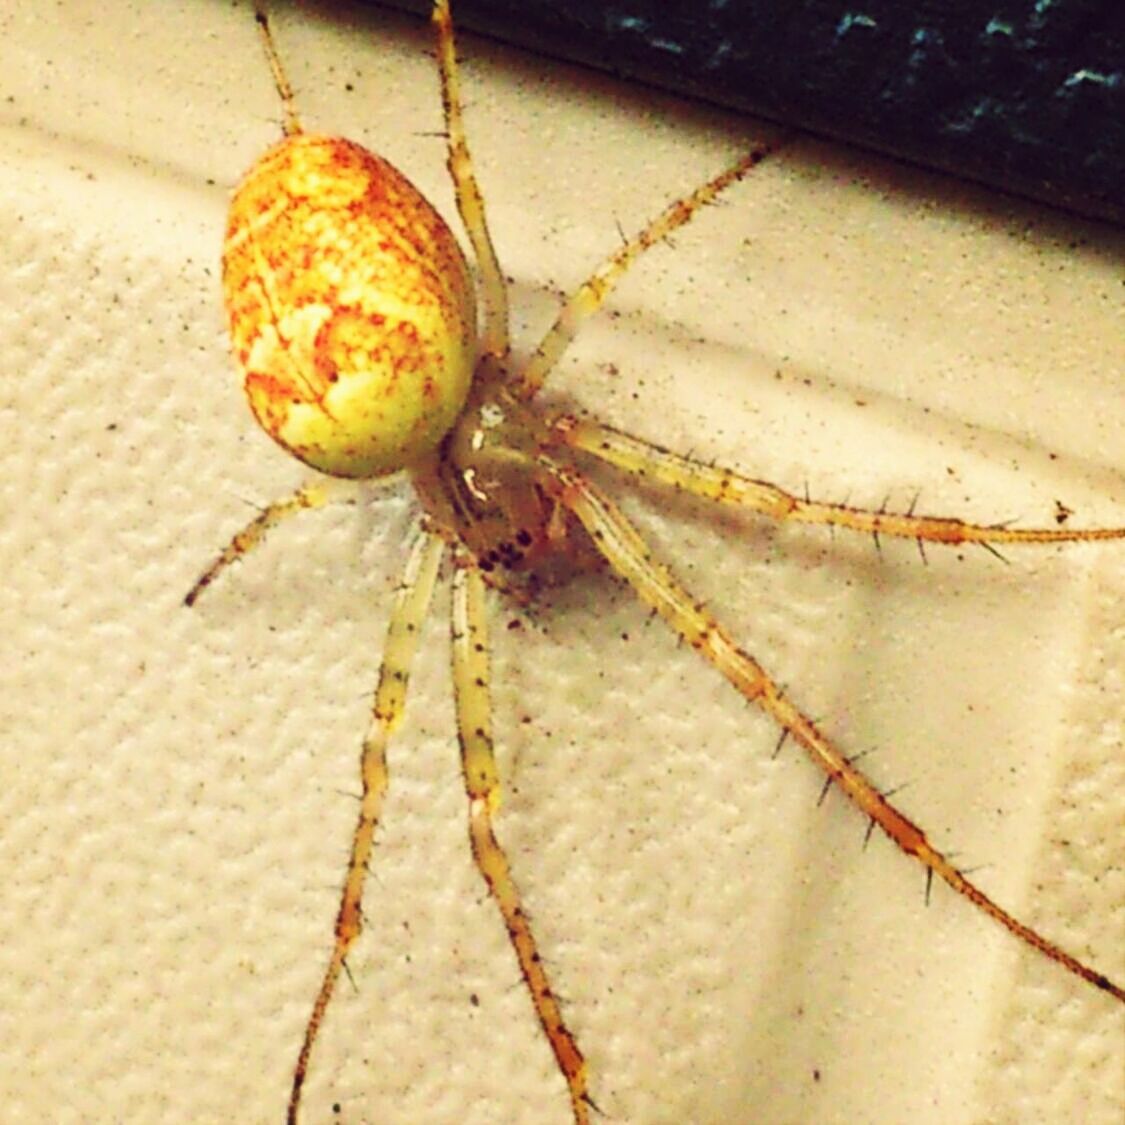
[350, 307]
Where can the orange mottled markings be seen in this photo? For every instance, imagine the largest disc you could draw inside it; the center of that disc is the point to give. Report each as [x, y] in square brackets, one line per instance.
[350, 307]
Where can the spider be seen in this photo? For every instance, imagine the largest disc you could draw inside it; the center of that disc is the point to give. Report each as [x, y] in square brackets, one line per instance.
[354, 320]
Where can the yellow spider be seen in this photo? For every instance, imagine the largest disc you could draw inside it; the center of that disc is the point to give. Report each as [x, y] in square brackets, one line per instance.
[354, 320]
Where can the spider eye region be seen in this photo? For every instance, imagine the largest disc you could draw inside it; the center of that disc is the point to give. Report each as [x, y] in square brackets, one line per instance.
[350, 307]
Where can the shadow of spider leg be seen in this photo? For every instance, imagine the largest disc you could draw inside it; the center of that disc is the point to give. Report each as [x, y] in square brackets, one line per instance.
[630, 557]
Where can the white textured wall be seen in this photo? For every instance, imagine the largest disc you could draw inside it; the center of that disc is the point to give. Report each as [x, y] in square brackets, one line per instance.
[174, 807]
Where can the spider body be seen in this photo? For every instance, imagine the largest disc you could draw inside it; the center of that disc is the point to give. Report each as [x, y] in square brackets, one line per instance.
[353, 320]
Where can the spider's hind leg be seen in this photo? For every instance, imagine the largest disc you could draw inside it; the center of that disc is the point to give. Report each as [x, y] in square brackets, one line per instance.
[482, 785]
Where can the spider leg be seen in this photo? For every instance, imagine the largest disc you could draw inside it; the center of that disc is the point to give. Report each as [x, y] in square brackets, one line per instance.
[629, 555]
[482, 784]
[314, 495]
[292, 123]
[589, 296]
[643, 459]
[470, 202]
[411, 604]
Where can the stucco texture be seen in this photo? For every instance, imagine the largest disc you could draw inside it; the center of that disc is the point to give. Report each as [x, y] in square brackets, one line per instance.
[178, 786]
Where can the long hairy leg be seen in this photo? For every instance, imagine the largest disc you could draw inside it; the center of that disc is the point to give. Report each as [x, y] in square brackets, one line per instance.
[470, 202]
[411, 604]
[292, 123]
[590, 295]
[652, 462]
[482, 784]
[314, 495]
[630, 557]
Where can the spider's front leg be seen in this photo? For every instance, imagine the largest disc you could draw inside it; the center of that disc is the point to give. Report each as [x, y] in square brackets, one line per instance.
[470, 202]
[482, 785]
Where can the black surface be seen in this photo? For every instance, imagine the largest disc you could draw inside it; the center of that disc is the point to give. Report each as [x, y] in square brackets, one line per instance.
[1026, 96]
